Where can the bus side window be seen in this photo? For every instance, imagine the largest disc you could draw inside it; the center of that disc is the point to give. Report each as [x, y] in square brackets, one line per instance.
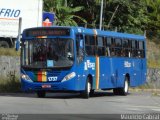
[118, 46]
[134, 48]
[109, 46]
[125, 44]
[100, 46]
[141, 49]
[129, 48]
[80, 47]
[144, 50]
[90, 45]
[108, 42]
[112, 47]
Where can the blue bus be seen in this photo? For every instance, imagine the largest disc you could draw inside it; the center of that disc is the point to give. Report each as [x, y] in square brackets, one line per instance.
[77, 59]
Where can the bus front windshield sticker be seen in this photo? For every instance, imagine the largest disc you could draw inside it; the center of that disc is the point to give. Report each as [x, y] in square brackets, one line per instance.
[50, 63]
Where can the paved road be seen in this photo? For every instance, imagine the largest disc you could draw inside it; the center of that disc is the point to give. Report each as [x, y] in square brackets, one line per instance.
[60, 103]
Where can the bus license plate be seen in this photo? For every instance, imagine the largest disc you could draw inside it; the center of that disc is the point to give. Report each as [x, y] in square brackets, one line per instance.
[46, 86]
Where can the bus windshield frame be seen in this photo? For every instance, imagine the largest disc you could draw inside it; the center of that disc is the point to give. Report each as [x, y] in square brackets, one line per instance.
[47, 53]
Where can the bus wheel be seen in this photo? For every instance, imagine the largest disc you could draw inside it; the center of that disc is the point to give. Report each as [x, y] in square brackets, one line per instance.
[4, 44]
[87, 91]
[116, 91]
[41, 94]
[91, 92]
[124, 90]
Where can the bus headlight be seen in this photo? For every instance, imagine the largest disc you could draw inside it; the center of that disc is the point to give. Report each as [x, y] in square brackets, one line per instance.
[26, 77]
[69, 76]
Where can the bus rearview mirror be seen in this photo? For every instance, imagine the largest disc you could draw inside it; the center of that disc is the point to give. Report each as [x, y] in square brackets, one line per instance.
[17, 45]
[81, 43]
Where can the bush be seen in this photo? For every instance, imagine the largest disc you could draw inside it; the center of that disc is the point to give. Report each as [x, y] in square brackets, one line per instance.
[153, 54]
[9, 52]
[11, 84]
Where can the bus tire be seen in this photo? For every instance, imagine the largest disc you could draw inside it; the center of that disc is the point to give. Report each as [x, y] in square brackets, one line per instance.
[4, 44]
[41, 94]
[91, 92]
[116, 91]
[87, 91]
[124, 90]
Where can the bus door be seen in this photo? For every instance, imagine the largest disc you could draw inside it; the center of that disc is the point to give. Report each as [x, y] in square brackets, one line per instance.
[102, 64]
[80, 60]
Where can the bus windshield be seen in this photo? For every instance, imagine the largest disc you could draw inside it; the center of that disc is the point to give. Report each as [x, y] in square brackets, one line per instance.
[47, 53]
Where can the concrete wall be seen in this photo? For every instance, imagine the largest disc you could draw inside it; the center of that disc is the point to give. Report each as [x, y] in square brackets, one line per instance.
[153, 77]
[10, 66]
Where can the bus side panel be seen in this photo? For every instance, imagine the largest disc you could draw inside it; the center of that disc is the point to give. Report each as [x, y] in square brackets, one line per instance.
[106, 81]
[120, 71]
[111, 73]
[127, 66]
[133, 71]
[144, 71]
[81, 78]
[138, 72]
[114, 70]
[84, 69]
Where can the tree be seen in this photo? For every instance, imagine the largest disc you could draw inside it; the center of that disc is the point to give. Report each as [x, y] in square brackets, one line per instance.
[153, 26]
[132, 16]
[65, 15]
[129, 15]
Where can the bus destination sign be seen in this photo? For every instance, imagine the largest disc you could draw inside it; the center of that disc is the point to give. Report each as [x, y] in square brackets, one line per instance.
[47, 32]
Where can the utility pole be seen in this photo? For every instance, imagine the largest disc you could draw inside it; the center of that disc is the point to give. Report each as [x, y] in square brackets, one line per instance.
[101, 14]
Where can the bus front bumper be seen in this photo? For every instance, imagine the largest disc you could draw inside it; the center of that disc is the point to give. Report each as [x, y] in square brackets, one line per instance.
[49, 86]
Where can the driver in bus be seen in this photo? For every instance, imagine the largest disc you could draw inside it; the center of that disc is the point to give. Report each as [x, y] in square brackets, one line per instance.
[51, 54]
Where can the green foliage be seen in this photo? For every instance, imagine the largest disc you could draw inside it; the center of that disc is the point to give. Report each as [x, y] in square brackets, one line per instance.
[11, 85]
[153, 26]
[65, 15]
[153, 55]
[132, 16]
[9, 52]
[67, 18]
[146, 86]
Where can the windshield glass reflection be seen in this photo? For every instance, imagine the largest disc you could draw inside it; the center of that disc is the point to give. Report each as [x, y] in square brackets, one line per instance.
[45, 53]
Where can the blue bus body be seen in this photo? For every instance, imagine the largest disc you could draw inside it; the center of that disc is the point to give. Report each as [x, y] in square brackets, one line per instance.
[105, 71]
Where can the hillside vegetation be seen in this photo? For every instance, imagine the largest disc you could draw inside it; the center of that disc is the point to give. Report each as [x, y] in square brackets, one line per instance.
[153, 54]
[9, 52]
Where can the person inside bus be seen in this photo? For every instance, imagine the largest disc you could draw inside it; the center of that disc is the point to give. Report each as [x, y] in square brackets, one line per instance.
[122, 52]
[51, 54]
[112, 49]
[38, 54]
[91, 50]
[107, 52]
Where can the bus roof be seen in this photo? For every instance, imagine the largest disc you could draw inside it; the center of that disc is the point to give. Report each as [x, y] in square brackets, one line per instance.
[99, 32]
[109, 33]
